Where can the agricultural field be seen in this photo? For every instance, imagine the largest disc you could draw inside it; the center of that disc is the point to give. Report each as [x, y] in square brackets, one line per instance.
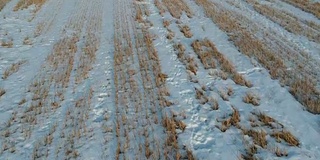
[160, 79]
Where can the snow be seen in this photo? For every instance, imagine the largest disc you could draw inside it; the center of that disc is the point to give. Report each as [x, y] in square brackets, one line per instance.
[201, 135]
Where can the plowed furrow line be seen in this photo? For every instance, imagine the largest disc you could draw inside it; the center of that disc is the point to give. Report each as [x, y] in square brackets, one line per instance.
[177, 7]
[92, 43]
[76, 21]
[292, 54]
[140, 90]
[74, 131]
[268, 52]
[130, 108]
[306, 5]
[44, 25]
[207, 51]
[122, 96]
[287, 21]
[48, 87]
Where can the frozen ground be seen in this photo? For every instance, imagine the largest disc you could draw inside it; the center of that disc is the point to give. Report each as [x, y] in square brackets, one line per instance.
[101, 79]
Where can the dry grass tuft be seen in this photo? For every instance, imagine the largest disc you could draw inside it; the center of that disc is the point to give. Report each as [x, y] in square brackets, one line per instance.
[280, 152]
[218, 73]
[177, 7]
[224, 94]
[139, 16]
[171, 125]
[267, 120]
[233, 120]
[190, 155]
[250, 150]
[22, 101]
[201, 96]
[22, 4]
[166, 23]
[160, 6]
[3, 3]
[305, 91]
[2, 92]
[259, 137]
[161, 79]
[213, 103]
[186, 31]
[230, 91]
[251, 98]
[27, 41]
[205, 57]
[40, 27]
[209, 55]
[188, 61]
[170, 34]
[287, 137]
[12, 69]
[239, 79]
[7, 44]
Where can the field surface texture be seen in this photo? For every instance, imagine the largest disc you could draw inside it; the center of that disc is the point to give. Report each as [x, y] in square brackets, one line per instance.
[160, 79]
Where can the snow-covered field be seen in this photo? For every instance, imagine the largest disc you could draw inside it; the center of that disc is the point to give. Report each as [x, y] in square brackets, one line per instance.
[159, 79]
